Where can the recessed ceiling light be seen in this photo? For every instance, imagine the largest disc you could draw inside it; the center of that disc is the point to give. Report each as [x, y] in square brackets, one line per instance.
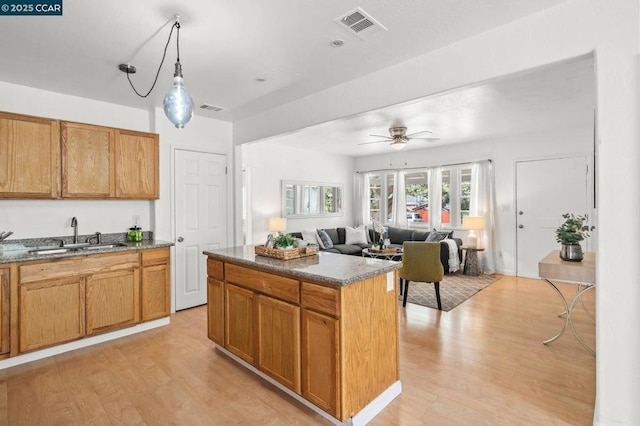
[337, 42]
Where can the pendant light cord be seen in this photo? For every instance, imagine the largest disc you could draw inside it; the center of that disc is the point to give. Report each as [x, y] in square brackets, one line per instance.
[164, 54]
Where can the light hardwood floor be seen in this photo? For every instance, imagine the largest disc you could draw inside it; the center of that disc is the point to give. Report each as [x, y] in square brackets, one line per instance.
[482, 363]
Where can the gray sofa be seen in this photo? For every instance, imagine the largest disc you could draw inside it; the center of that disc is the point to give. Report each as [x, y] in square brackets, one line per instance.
[396, 236]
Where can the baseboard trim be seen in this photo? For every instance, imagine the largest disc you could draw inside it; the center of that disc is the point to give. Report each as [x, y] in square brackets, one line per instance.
[82, 343]
[363, 417]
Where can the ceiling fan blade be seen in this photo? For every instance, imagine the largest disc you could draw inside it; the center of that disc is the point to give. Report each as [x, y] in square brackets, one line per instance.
[381, 136]
[417, 133]
[367, 143]
[425, 139]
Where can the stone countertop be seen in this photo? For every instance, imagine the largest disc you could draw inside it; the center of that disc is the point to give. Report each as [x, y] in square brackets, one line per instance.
[329, 268]
[23, 255]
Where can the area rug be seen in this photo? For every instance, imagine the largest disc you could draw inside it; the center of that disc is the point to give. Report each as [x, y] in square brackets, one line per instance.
[454, 289]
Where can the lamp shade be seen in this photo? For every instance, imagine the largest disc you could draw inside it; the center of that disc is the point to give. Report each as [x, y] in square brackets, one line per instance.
[277, 224]
[473, 223]
[178, 104]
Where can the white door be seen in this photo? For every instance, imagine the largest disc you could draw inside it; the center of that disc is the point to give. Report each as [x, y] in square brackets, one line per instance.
[545, 190]
[201, 220]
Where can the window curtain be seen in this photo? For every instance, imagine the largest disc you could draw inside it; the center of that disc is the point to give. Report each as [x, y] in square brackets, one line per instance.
[399, 217]
[362, 199]
[483, 203]
[435, 198]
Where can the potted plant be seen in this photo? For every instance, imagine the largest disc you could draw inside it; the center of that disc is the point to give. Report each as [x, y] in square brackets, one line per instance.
[570, 233]
[284, 241]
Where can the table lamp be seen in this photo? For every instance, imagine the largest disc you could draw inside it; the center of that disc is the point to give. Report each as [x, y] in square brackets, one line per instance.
[471, 224]
[277, 224]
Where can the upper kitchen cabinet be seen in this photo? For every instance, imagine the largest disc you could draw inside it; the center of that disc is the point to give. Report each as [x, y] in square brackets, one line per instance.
[137, 164]
[29, 157]
[88, 166]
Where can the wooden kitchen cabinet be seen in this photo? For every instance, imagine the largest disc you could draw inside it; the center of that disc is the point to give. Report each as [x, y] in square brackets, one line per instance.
[112, 300]
[88, 160]
[215, 310]
[137, 160]
[29, 157]
[5, 311]
[278, 334]
[51, 312]
[239, 322]
[155, 291]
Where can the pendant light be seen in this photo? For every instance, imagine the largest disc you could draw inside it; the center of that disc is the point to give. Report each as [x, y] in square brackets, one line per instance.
[178, 104]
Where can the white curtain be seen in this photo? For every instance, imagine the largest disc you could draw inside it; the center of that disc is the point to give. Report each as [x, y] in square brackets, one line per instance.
[435, 198]
[362, 213]
[399, 200]
[483, 203]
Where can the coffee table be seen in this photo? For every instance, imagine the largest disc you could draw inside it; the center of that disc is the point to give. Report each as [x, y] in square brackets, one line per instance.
[397, 255]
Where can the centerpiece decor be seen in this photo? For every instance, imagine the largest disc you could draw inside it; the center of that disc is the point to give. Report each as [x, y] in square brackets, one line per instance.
[570, 233]
[284, 248]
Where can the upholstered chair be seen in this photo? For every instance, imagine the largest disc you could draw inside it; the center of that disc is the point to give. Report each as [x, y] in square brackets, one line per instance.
[421, 263]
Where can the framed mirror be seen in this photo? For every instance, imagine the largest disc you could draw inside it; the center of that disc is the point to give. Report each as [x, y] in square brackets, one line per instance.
[310, 199]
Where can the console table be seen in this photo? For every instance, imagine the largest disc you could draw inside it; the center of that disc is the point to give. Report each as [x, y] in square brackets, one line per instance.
[582, 274]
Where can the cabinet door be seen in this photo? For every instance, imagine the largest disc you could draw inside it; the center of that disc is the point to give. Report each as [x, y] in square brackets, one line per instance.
[155, 294]
[215, 310]
[113, 300]
[278, 353]
[5, 314]
[87, 161]
[29, 157]
[320, 355]
[137, 163]
[51, 312]
[239, 320]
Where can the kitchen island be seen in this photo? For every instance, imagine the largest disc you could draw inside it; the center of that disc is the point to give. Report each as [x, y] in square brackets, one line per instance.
[323, 328]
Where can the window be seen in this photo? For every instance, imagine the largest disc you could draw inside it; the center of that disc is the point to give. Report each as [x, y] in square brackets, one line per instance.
[381, 197]
[456, 195]
[417, 196]
[311, 199]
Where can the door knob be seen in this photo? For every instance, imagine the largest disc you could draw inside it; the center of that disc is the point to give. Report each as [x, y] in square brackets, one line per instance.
[520, 212]
[519, 226]
[180, 239]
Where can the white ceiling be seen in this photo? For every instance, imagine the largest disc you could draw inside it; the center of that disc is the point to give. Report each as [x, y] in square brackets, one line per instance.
[226, 45]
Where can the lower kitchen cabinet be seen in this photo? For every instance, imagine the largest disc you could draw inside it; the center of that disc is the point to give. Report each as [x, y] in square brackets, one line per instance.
[215, 310]
[155, 292]
[320, 346]
[239, 322]
[51, 312]
[5, 311]
[278, 349]
[112, 300]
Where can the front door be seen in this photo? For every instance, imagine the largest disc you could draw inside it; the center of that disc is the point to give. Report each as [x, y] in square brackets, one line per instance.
[201, 220]
[545, 190]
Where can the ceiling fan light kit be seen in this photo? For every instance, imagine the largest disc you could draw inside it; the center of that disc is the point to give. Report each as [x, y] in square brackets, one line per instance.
[178, 104]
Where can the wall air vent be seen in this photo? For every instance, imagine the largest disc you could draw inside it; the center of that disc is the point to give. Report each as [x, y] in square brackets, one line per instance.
[211, 107]
[358, 22]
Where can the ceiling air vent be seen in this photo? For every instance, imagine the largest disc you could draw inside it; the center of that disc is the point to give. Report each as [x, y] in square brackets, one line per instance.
[360, 24]
[211, 107]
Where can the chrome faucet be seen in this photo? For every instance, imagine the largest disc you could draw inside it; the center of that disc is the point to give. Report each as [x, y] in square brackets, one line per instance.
[97, 237]
[74, 225]
[5, 235]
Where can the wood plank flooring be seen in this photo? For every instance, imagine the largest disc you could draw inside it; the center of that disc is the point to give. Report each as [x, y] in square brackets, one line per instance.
[482, 363]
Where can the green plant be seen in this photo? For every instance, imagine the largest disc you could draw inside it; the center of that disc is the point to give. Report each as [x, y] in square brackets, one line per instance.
[284, 241]
[573, 230]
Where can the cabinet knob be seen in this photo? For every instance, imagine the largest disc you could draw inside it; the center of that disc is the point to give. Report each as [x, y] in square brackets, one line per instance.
[180, 239]
[520, 226]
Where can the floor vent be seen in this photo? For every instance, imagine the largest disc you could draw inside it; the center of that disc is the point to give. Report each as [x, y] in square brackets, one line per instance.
[211, 107]
[360, 23]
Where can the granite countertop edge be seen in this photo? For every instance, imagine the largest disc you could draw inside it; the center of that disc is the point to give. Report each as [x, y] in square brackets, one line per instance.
[279, 266]
[25, 256]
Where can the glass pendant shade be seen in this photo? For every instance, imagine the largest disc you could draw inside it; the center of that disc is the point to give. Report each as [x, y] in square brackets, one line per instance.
[178, 103]
[398, 144]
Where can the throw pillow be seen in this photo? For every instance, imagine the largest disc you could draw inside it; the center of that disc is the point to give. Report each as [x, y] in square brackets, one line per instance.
[310, 236]
[355, 235]
[437, 235]
[324, 239]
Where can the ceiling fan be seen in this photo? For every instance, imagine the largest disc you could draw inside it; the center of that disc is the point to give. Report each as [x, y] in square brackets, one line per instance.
[399, 137]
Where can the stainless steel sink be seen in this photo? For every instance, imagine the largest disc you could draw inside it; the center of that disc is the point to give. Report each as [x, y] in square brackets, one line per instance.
[54, 250]
[103, 246]
[75, 247]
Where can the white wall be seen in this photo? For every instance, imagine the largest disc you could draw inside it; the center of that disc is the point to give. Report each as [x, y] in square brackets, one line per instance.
[504, 153]
[270, 164]
[571, 29]
[41, 218]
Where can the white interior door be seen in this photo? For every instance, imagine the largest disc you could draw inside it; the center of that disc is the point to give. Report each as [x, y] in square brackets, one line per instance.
[201, 220]
[545, 190]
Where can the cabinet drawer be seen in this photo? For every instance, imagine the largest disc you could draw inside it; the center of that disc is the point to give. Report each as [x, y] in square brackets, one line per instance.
[76, 266]
[273, 285]
[155, 256]
[215, 269]
[321, 299]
